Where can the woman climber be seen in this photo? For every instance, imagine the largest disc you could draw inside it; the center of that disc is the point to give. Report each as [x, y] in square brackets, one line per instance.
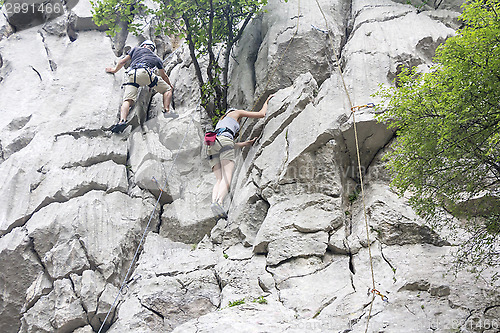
[221, 154]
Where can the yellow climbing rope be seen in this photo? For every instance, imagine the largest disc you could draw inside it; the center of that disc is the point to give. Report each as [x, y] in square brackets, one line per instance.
[353, 109]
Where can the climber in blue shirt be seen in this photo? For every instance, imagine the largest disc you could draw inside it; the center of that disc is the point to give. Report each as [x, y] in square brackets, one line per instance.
[140, 73]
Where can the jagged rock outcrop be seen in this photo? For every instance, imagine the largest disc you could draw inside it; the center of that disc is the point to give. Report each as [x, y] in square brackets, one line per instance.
[26, 14]
[294, 254]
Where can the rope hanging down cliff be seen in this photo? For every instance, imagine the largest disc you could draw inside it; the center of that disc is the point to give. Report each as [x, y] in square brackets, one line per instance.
[126, 280]
[353, 109]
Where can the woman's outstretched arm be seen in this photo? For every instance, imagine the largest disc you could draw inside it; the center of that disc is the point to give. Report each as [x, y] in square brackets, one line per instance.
[238, 114]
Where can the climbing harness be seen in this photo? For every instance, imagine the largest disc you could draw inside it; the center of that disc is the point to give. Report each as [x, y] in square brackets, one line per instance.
[211, 136]
[153, 80]
[126, 281]
[353, 108]
[221, 150]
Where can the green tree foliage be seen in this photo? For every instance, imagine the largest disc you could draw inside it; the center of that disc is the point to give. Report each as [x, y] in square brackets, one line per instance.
[111, 12]
[447, 152]
[210, 27]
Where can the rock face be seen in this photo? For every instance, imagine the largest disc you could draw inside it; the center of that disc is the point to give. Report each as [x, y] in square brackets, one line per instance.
[26, 14]
[77, 201]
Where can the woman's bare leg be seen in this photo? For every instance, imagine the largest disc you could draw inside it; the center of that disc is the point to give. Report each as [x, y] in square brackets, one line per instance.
[218, 175]
[227, 168]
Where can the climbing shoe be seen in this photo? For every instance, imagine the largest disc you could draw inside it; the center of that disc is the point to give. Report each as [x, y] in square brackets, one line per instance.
[219, 212]
[170, 114]
[119, 127]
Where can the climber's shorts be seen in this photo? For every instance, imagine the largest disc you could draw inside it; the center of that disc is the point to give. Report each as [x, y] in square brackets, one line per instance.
[223, 149]
[143, 77]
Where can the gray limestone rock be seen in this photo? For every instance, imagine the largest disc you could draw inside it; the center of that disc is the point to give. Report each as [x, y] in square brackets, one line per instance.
[133, 316]
[100, 235]
[181, 298]
[86, 329]
[40, 287]
[83, 17]
[242, 70]
[27, 14]
[244, 279]
[291, 44]
[293, 255]
[178, 284]
[182, 258]
[66, 258]
[247, 212]
[69, 313]
[310, 293]
[6, 29]
[296, 228]
[59, 311]
[40, 317]
[391, 220]
[96, 296]
[20, 270]
[254, 317]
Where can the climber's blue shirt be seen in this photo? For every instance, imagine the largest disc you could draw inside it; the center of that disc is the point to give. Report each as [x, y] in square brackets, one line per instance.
[144, 57]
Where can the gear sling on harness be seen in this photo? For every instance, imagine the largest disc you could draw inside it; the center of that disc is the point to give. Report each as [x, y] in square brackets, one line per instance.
[154, 81]
[211, 138]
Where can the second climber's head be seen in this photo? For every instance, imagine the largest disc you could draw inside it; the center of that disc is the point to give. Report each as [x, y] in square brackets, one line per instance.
[149, 44]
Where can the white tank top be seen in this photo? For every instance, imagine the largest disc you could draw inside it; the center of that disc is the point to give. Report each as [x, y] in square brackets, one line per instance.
[228, 122]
